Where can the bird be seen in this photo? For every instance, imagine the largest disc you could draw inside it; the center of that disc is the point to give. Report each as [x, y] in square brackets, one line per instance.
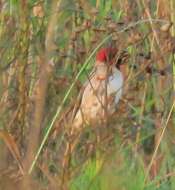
[102, 90]
[100, 94]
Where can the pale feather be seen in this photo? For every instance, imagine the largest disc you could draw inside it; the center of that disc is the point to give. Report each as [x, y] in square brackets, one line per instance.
[92, 107]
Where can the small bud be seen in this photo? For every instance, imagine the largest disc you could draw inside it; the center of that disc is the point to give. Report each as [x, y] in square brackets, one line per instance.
[166, 27]
[38, 11]
[87, 24]
[134, 38]
[94, 11]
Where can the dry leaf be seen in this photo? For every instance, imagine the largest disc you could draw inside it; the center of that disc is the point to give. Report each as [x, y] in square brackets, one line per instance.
[12, 146]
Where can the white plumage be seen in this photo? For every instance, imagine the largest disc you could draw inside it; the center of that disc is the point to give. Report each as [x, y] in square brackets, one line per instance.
[101, 94]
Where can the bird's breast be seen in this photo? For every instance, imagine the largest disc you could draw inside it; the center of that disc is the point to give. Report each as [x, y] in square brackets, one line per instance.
[99, 96]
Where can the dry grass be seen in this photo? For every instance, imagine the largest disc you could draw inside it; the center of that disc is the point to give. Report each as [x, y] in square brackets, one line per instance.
[47, 50]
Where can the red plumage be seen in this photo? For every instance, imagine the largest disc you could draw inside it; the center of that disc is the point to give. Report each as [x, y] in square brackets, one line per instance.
[106, 55]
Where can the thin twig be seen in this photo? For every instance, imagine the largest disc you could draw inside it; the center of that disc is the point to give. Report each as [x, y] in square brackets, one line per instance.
[158, 144]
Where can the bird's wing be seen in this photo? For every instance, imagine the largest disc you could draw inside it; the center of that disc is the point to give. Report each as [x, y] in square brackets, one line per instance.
[115, 86]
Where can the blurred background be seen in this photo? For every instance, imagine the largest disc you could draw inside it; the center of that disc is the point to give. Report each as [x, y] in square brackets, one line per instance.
[47, 50]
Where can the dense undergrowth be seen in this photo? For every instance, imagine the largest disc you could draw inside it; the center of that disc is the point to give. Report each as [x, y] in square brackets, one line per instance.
[47, 49]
